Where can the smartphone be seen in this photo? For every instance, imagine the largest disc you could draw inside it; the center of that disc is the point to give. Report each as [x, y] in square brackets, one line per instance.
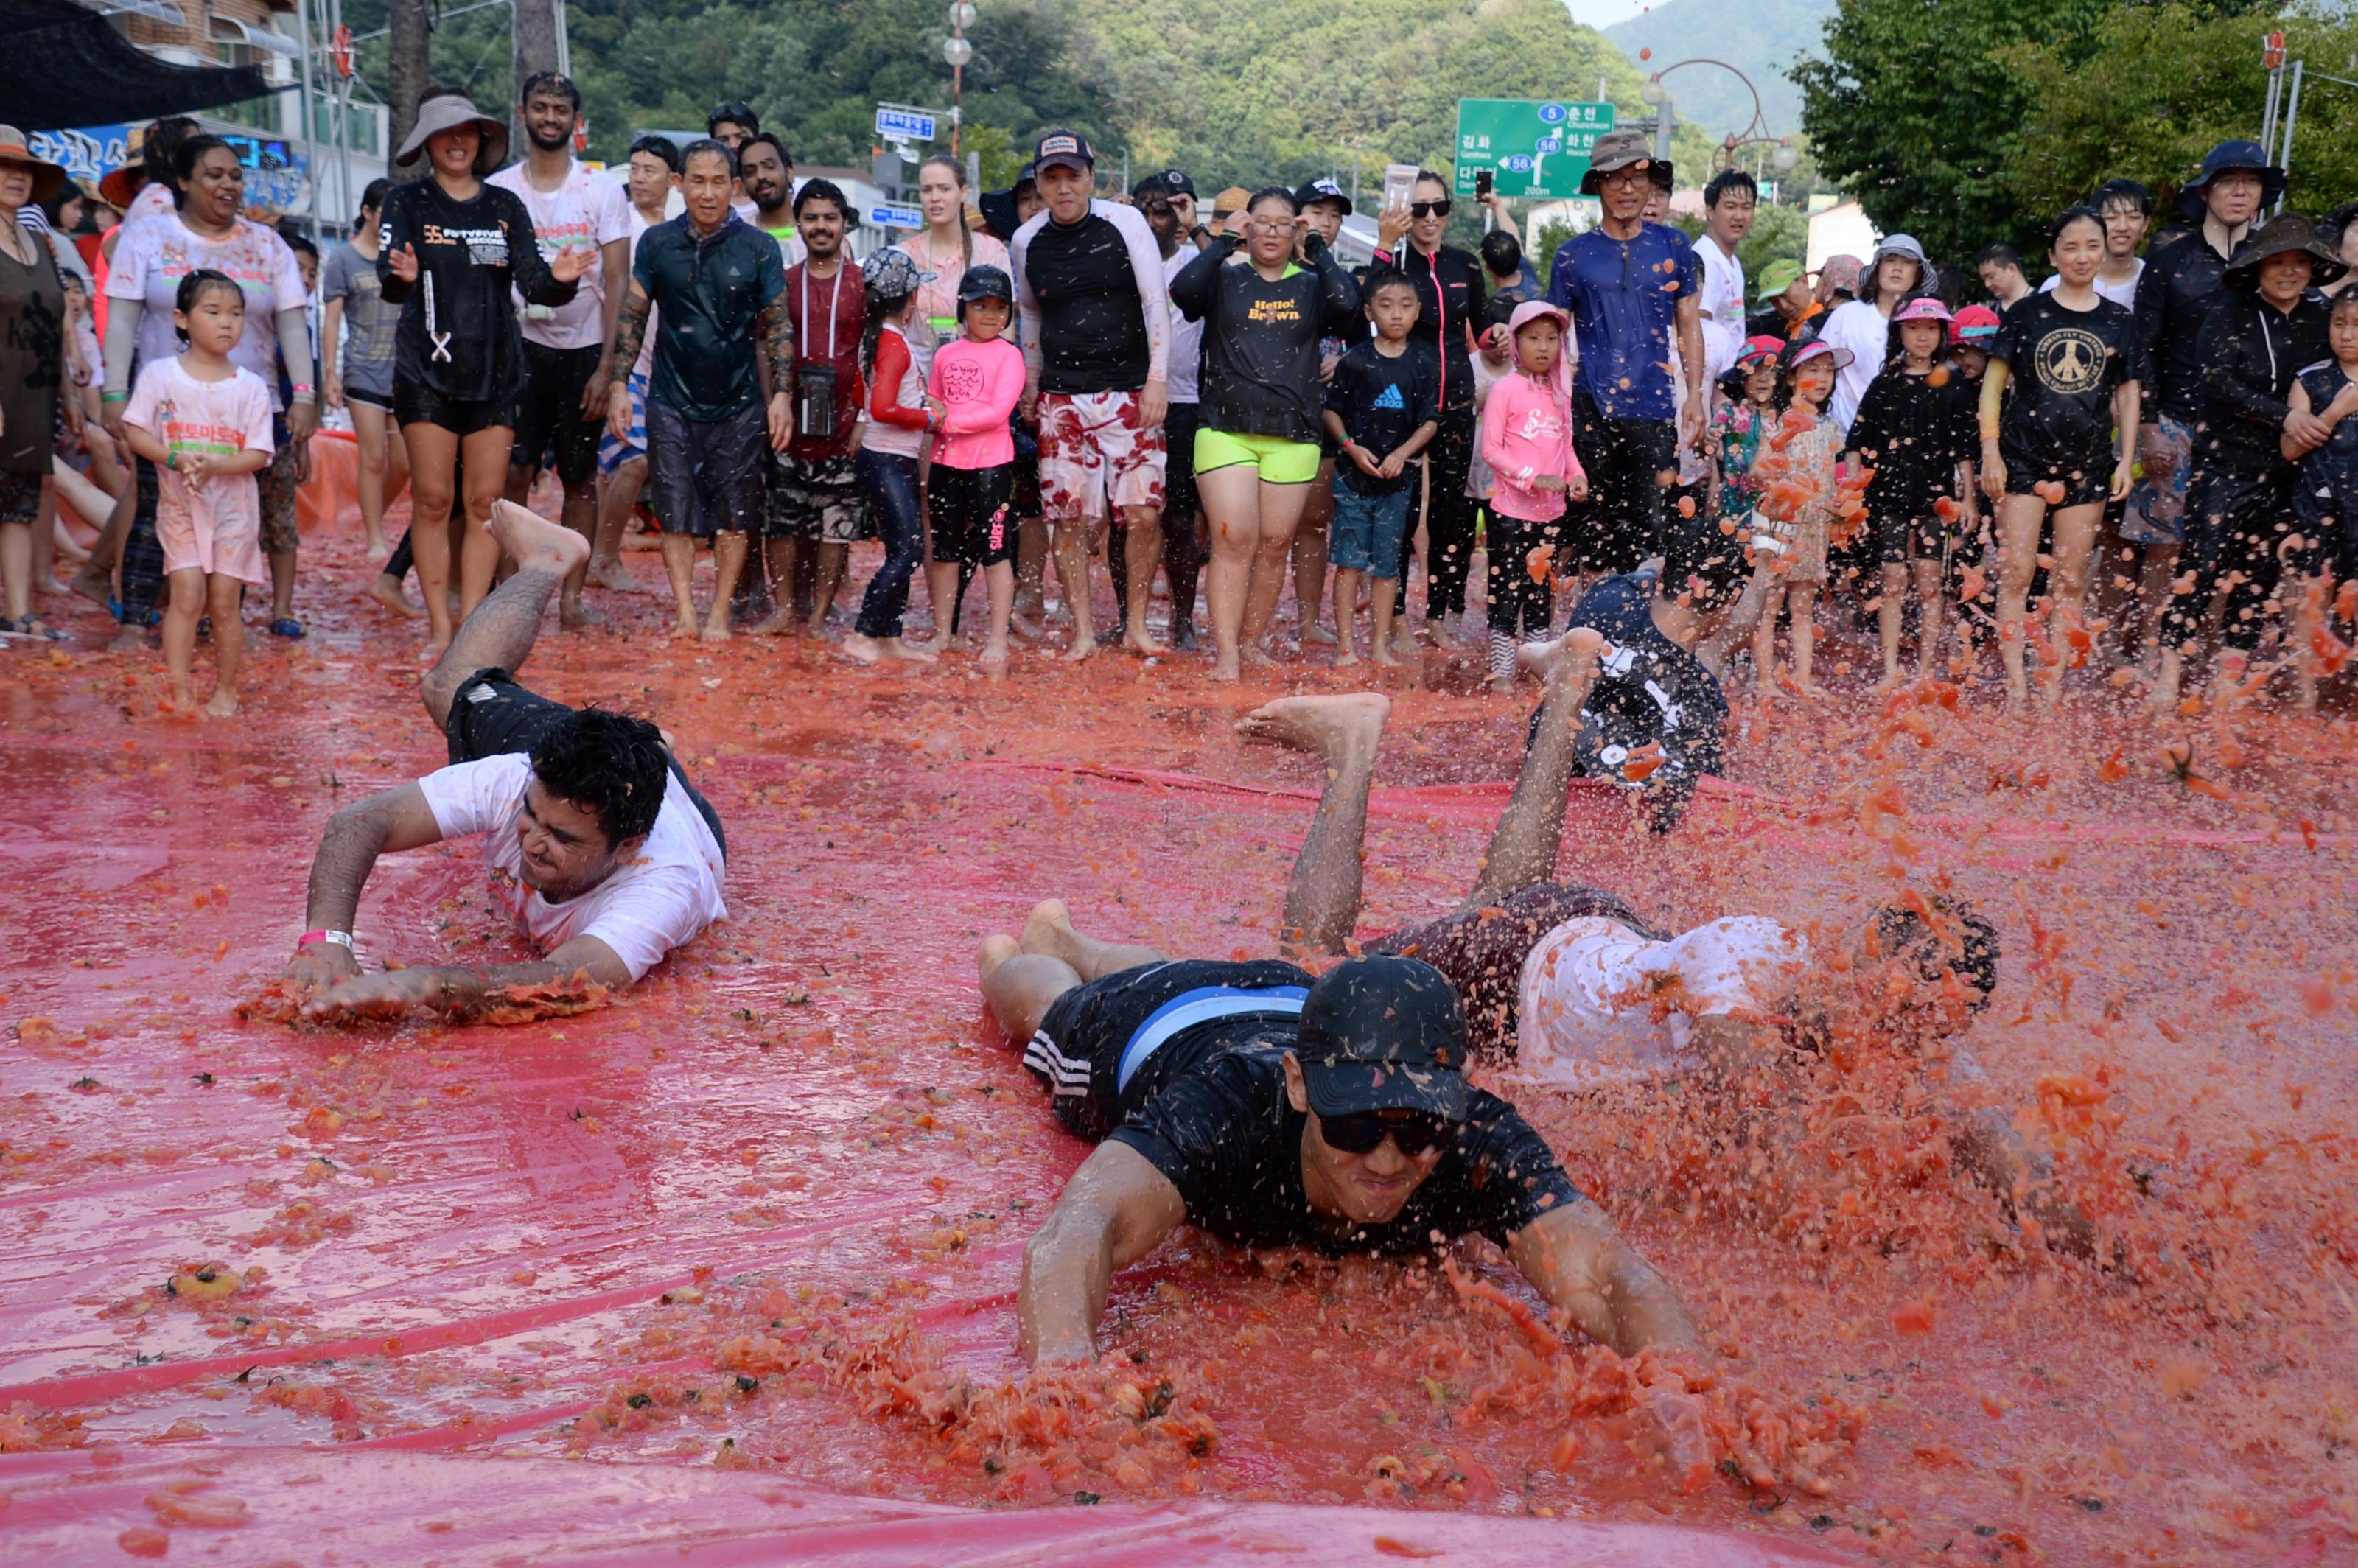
[1481, 184]
[1399, 183]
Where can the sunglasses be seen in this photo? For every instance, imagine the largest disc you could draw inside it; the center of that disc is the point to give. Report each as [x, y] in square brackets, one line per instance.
[1429, 209]
[1413, 1131]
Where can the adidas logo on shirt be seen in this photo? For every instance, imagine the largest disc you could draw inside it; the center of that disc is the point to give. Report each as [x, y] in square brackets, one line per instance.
[1390, 398]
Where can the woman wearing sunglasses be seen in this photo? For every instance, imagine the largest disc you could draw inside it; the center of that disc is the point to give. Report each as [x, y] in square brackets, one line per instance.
[1449, 292]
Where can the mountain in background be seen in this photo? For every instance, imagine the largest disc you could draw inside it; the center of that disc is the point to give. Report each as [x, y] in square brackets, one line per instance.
[1759, 37]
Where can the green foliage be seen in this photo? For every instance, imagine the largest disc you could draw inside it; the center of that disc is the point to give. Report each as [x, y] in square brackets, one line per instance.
[2161, 87]
[1912, 110]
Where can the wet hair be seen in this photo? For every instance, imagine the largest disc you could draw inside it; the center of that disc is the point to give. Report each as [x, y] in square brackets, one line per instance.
[554, 84]
[738, 112]
[194, 287]
[2121, 192]
[1388, 282]
[1502, 253]
[1280, 192]
[2345, 300]
[2078, 212]
[662, 148]
[2002, 254]
[706, 145]
[1424, 175]
[966, 230]
[611, 765]
[1728, 180]
[768, 139]
[1700, 563]
[822, 191]
[161, 147]
[1971, 952]
[290, 228]
[190, 154]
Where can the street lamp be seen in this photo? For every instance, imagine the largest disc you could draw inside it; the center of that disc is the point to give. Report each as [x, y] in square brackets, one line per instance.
[958, 51]
[1784, 155]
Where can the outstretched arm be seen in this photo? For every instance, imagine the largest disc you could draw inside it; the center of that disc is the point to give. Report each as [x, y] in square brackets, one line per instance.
[393, 819]
[1117, 1208]
[1575, 1257]
[461, 993]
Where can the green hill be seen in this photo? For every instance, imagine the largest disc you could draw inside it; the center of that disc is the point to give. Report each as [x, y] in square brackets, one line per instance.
[1759, 37]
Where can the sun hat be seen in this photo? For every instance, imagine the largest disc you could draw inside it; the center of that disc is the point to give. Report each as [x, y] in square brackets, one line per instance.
[1899, 246]
[1972, 324]
[1839, 276]
[1763, 347]
[1802, 351]
[1779, 276]
[447, 111]
[2285, 234]
[1617, 150]
[892, 273]
[1924, 307]
[2229, 158]
[48, 177]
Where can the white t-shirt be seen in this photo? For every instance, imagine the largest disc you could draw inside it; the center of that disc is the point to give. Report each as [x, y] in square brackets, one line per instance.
[151, 259]
[1866, 332]
[658, 901]
[1600, 1004]
[585, 213]
[1722, 307]
[2121, 294]
[1185, 383]
[216, 526]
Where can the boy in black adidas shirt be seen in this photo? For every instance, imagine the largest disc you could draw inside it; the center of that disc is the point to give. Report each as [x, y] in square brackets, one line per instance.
[1383, 407]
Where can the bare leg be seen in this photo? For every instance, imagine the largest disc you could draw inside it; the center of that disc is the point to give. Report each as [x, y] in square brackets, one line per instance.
[679, 566]
[831, 558]
[2075, 555]
[780, 551]
[499, 633]
[1018, 986]
[1309, 555]
[1530, 835]
[2018, 519]
[221, 593]
[187, 589]
[942, 589]
[1231, 498]
[1801, 599]
[1281, 515]
[1933, 613]
[434, 454]
[483, 456]
[615, 505]
[1381, 641]
[580, 515]
[369, 424]
[1049, 931]
[1074, 542]
[95, 581]
[1000, 581]
[1347, 594]
[727, 565]
[1322, 900]
[1142, 537]
[1891, 604]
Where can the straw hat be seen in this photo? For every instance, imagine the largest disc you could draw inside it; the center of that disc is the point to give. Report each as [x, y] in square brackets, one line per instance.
[2287, 233]
[47, 177]
[447, 111]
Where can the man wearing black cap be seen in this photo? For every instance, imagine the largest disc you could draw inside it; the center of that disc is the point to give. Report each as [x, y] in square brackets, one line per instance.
[1097, 347]
[2184, 276]
[1629, 286]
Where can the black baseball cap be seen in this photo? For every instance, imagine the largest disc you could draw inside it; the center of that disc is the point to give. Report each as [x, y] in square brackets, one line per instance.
[1383, 1033]
[1069, 148]
[1321, 189]
[1153, 187]
[985, 282]
[1176, 182]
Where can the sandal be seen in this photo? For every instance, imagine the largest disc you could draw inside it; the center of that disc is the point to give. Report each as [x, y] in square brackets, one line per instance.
[286, 627]
[31, 626]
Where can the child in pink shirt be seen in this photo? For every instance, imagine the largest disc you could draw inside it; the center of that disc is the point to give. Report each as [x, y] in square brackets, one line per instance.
[206, 423]
[978, 378]
[1527, 442]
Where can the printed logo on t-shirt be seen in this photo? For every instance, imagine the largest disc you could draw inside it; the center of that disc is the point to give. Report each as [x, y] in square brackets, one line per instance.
[1274, 311]
[1390, 397]
[485, 247]
[961, 381]
[2071, 362]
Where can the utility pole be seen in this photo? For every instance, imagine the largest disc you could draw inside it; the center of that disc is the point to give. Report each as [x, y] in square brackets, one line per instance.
[407, 72]
[534, 28]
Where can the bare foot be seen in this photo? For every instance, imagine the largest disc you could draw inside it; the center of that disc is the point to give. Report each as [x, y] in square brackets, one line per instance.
[865, 650]
[224, 704]
[533, 543]
[1315, 633]
[1384, 656]
[1502, 685]
[128, 639]
[1337, 728]
[683, 630]
[1890, 681]
[576, 615]
[1345, 659]
[1571, 655]
[1081, 650]
[1024, 627]
[1255, 655]
[377, 546]
[387, 592]
[996, 949]
[1404, 641]
[1049, 930]
[181, 698]
[1142, 644]
[1223, 669]
[612, 574]
[781, 624]
[912, 653]
[716, 625]
[436, 645]
[994, 652]
[93, 585]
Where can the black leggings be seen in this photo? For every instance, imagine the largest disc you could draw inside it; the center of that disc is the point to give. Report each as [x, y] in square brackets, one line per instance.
[1520, 607]
[2237, 522]
[1448, 518]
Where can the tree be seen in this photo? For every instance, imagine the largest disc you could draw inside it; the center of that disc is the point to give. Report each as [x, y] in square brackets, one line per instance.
[1912, 110]
[406, 47]
[2161, 87]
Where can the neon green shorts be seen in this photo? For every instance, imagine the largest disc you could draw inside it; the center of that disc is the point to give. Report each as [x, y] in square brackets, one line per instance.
[1280, 461]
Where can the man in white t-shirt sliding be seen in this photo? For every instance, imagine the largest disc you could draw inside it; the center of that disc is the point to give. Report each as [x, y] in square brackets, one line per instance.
[561, 405]
[1568, 981]
[595, 840]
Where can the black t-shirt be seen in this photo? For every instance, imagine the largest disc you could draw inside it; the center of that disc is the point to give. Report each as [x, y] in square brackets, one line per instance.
[1647, 690]
[1222, 1132]
[1449, 293]
[1092, 322]
[458, 333]
[1381, 401]
[2063, 366]
[1913, 434]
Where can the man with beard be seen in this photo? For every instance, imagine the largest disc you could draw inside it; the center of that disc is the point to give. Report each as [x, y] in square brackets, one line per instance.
[767, 171]
[563, 397]
[818, 500]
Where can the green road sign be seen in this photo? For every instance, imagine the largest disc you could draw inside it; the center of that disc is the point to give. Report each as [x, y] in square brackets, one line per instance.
[1531, 148]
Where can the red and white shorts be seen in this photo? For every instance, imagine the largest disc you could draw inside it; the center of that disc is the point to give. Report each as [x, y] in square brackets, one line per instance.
[1092, 443]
